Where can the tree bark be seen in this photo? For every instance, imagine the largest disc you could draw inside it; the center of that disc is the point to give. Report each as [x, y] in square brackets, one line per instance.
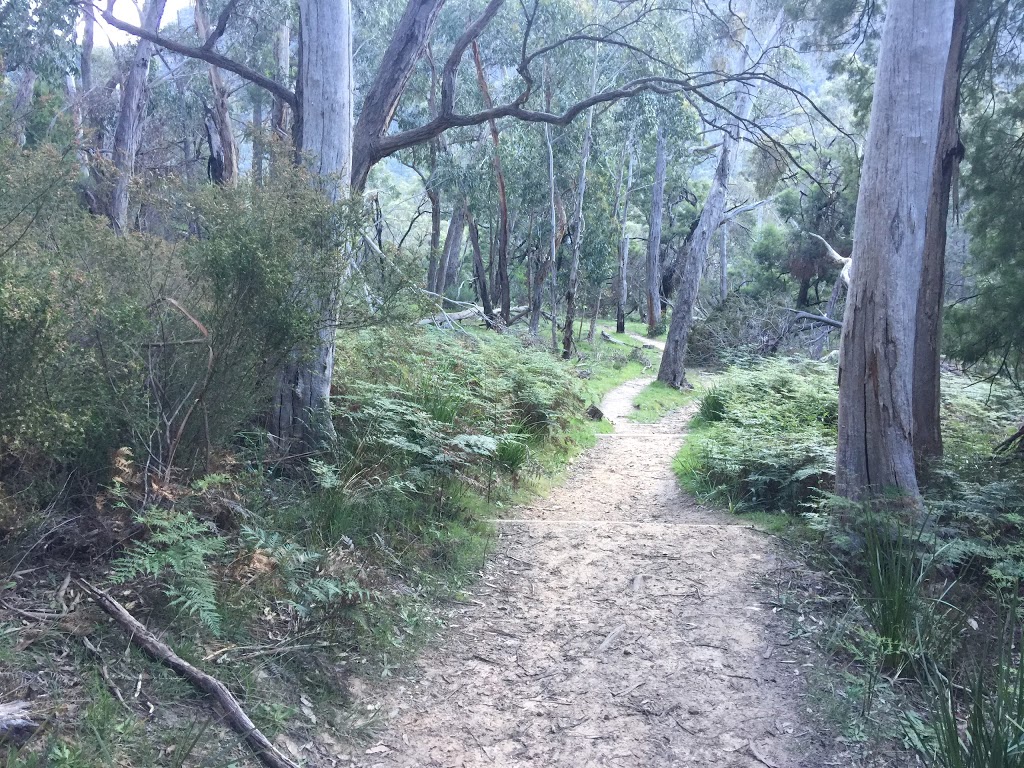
[499, 175]
[553, 240]
[693, 256]
[452, 248]
[223, 165]
[927, 376]
[723, 276]
[301, 413]
[573, 284]
[654, 235]
[876, 423]
[480, 271]
[258, 149]
[282, 54]
[620, 308]
[22, 106]
[128, 133]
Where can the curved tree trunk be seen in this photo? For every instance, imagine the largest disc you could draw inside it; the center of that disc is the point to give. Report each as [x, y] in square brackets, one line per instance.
[693, 256]
[654, 236]
[301, 415]
[927, 379]
[128, 134]
[480, 271]
[876, 421]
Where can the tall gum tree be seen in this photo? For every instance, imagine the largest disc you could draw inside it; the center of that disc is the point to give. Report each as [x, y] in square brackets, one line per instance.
[927, 378]
[324, 130]
[875, 455]
[693, 256]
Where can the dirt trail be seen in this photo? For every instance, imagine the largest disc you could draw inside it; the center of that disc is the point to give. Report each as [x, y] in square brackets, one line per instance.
[618, 624]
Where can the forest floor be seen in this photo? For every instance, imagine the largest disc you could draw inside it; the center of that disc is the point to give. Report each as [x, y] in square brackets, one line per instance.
[617, 623]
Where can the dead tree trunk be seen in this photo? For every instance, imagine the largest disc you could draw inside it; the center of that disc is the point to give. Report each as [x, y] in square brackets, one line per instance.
[693, 256]
[723, 276]
[22, 106]
[876, 370]
[654, 236]
[927, 379]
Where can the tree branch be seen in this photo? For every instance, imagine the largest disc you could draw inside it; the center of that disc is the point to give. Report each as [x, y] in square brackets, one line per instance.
[204, 54]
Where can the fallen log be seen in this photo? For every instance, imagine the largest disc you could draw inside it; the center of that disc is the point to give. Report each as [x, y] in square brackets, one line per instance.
[816, 318]
[234, 715]
[16, 724]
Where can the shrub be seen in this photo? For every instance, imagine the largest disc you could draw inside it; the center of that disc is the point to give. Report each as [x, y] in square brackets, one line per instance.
[767, 436]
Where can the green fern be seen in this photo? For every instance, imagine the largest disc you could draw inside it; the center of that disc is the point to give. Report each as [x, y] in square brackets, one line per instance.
[182, 545]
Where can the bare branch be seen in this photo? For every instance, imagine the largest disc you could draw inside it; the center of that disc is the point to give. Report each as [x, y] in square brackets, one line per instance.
[209, 56]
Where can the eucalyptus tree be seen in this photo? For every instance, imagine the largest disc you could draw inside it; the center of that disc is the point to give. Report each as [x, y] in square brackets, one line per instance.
[345, 153]
[690, 264]
[902, 162]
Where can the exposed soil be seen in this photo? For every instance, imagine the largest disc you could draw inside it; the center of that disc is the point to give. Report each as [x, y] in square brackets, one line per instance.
[618, 623]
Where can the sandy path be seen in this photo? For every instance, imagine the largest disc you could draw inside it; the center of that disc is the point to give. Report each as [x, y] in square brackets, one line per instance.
[617, 624]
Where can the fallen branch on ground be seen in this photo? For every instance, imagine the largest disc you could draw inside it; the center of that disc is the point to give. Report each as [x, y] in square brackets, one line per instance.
[235, 717]
[816, 318]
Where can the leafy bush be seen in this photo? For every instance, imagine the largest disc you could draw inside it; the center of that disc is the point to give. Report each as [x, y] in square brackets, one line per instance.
[766, 437]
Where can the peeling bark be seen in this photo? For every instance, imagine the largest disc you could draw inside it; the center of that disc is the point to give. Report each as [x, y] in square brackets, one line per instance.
[927, 378]
[876, 454]
[223, 165]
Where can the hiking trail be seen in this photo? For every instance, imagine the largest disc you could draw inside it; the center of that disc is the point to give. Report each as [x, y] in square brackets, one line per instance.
[618, 623]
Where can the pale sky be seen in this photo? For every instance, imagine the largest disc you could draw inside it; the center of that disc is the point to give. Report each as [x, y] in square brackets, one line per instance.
[127, 10]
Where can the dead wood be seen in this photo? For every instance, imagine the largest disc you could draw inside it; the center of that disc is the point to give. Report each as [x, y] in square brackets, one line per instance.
[235, 717]
[16, 726]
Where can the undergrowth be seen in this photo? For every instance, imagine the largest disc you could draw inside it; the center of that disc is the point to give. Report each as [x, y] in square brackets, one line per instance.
[285, 579]
[917, 615]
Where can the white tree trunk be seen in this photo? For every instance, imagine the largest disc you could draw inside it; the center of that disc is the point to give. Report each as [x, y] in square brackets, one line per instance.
[552, 240]
[654, 236]
[223, 166]
[324, 128]
[876, 453]
[130, 118]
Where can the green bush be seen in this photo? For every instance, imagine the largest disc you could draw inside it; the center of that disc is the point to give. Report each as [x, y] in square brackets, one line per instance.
[766, 436]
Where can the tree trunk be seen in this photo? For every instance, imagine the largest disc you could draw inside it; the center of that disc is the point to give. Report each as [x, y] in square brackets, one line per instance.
[258, 150]
[223, 165]
[573, 284]
[399, 60]
[22, 105]
[693, 256]
[620, 308]
[499, 176]
[723, 276]
[282, 53]
[594, 315]
[324, 89]
[552, 254]
[452, 247]
[876, 422]
[128, 133]
[927, 378]
[435, 236]
[654, 236]
[480, 271]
